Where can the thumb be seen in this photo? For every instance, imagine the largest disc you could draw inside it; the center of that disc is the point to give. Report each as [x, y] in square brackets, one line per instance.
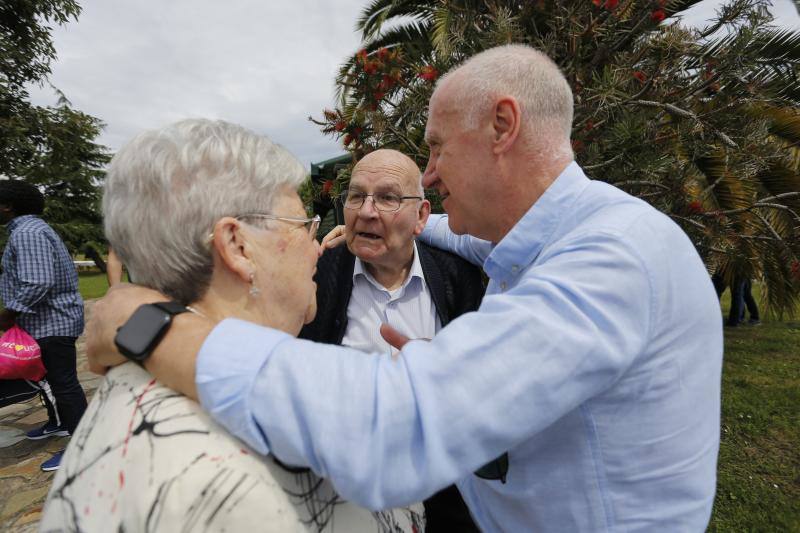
[393, 337]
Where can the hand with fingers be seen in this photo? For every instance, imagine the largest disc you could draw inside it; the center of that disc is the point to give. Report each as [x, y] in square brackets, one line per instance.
[334, 238]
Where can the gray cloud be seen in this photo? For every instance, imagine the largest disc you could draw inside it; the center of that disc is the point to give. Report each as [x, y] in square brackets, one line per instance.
[139, 64]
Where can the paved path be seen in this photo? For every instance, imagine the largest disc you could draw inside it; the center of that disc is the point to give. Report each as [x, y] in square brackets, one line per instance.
[23, 487]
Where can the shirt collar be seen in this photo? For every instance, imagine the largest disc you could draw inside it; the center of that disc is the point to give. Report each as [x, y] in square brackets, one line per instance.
[416, 272]
[526, 239]
[16, 221]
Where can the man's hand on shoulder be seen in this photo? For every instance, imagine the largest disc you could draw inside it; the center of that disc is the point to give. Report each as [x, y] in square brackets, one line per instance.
[108, 314]
[334, 238]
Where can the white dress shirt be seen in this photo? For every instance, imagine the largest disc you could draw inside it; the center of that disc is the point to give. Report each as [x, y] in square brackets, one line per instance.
[409, 309]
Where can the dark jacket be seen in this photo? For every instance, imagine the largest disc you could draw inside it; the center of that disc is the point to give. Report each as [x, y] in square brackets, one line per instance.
[456, 288]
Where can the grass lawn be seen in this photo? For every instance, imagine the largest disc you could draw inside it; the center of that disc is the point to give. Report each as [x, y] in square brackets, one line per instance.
[92, 284]
[758, 485]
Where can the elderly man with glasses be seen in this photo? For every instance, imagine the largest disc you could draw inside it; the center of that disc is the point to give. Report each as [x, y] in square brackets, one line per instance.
[384, 276]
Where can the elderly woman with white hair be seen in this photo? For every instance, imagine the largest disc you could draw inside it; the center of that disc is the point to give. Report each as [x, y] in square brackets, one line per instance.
[208, 214]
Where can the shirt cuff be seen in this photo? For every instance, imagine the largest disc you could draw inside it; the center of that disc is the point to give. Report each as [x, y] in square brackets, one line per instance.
[227, 366]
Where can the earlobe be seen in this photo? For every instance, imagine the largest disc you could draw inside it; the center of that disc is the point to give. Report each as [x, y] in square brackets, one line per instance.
[506, 123]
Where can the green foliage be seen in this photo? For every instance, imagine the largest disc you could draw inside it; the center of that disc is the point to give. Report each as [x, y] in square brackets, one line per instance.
[758, 481]
[701, 123]
[52, 147]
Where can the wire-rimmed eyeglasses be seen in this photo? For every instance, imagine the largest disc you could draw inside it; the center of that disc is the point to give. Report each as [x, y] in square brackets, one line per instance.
[383, 201]
[311, 224]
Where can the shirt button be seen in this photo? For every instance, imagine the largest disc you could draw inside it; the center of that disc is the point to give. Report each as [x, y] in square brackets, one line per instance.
[503, 285]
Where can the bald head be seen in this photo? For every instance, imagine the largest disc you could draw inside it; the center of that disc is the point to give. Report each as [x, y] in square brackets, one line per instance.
[395, 164]
[519, 71]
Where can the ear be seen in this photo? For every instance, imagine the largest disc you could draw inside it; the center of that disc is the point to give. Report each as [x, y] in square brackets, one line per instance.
[422, 216]
[506, 120]
[232, 247]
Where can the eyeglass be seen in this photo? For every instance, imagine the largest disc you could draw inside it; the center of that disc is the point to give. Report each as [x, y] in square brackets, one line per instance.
[383, 201]
[311, 224]
[497, 469]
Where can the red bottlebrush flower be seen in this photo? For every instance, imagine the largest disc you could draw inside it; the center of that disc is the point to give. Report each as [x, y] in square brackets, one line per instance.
[383, 53]
[598, 3]
[347, 140]
[387, 82]
[340, 125]
[378, 95]
[658, 15]
[695, 207]
[577, 145]
[611, 5]
[329, 114]
[357, 131]
[589, 125]
[361, 56]
[327, 185]
[641, 76]
[428, 73]
[370, 67]
[795, 267]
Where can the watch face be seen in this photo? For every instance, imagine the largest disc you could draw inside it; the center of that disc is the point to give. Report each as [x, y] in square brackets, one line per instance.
[140, 334]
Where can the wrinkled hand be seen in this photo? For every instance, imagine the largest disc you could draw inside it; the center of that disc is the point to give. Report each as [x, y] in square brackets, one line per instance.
[334, 238]
[108, 314]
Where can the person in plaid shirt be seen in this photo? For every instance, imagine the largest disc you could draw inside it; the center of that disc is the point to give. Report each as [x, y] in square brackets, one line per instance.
[39, 288]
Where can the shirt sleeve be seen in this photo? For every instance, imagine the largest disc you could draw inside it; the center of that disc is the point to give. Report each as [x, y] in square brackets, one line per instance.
[437, 233]
[33, 269]
[389, 432]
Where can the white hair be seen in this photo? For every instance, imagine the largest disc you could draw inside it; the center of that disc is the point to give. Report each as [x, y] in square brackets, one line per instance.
[525, 73]
[166, 188]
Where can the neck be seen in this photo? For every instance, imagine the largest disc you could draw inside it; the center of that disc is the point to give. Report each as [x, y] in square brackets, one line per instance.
[227, 298]
[522, 189]
[391, 276]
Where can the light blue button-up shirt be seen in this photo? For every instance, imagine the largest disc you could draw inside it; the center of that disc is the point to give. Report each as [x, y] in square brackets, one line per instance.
[594, 360]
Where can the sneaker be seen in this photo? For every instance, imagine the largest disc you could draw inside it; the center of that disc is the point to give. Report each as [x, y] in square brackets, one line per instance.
[754, 322]
[46, 431]
[53, 463]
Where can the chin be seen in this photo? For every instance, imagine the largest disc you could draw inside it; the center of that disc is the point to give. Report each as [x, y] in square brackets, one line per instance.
[455, 225]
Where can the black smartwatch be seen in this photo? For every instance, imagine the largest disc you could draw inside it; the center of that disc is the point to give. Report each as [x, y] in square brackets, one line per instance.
[139, 336]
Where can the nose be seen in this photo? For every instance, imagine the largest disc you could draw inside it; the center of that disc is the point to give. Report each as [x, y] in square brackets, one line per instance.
[430, 177]
[370, 211]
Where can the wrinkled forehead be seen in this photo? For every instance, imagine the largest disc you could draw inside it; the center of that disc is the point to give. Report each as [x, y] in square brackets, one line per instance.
[386, 171]
[442, 110]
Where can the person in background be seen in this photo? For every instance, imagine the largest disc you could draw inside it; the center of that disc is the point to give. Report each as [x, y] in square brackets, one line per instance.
[39, 288]
[384, 276]
[594, 360]
[741, 298]
[236, 244]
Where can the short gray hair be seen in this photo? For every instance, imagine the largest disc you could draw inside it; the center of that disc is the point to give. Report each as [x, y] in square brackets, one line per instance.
[522, 72]
[166, 188]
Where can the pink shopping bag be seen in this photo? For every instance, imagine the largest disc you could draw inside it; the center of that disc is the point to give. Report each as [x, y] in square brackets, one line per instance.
[20, 356]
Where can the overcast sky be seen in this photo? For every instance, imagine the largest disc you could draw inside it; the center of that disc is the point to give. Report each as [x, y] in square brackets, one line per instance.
[140, 64]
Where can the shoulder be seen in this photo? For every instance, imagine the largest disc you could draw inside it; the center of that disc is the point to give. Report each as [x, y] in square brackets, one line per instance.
[448, 263]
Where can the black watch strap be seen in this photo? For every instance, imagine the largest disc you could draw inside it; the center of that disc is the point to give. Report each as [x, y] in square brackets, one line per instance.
[172, 307]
